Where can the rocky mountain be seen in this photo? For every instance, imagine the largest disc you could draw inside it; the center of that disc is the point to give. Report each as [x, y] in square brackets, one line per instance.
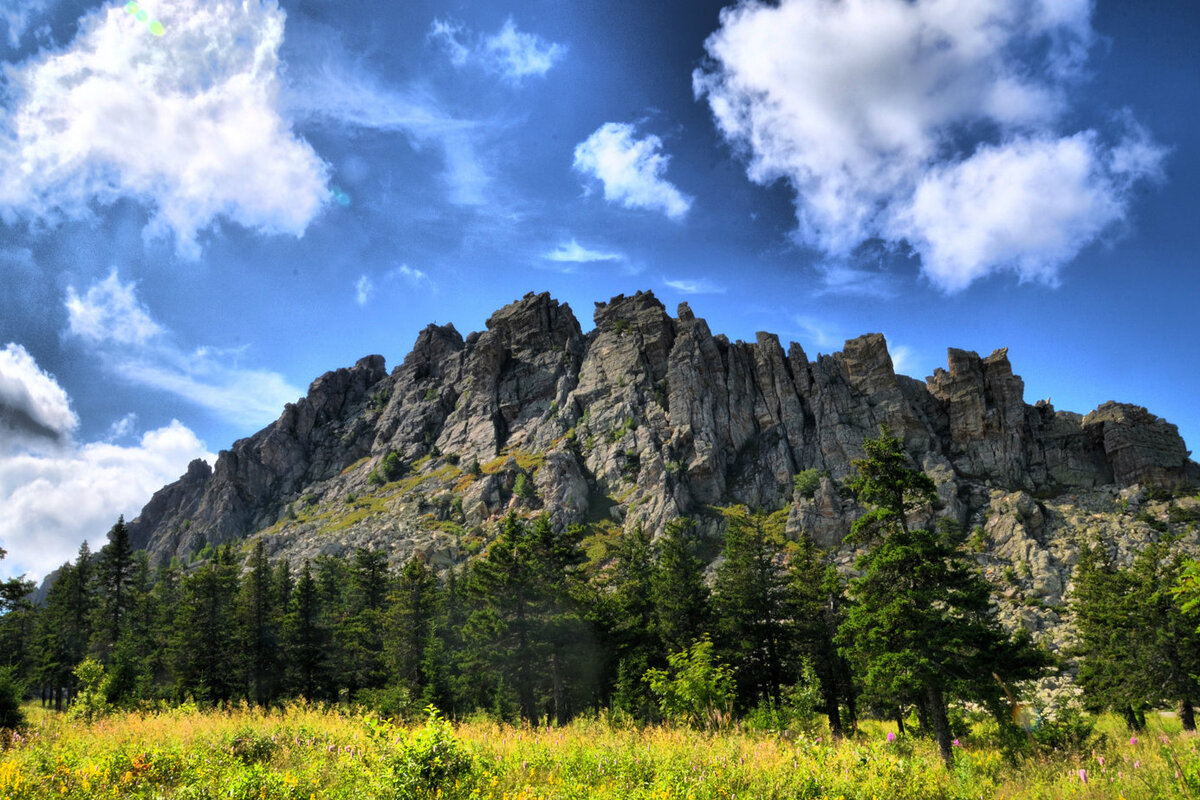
[649, 417]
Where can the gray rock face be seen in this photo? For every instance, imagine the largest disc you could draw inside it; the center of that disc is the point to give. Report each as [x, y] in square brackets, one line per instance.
[645, 418]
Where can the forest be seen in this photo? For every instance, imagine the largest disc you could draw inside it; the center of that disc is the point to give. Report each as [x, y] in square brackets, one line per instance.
[772, 637]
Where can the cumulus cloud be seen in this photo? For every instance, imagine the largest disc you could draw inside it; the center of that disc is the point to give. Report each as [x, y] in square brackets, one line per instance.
[573, 252]
[694, 286]
[510, 53]
[112, 322]
[54, 500]
[110, 311]
[188, 123]
[57, 492]
[631, 170]
[34, 410]
[865, 107]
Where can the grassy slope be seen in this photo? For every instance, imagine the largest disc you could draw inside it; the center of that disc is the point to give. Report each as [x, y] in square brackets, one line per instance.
[302, 752]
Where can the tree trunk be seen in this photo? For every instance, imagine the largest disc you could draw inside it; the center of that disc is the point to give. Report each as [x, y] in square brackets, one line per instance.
[833, 713]
[923, 716]
[1186, 714]
[900, 720]
[936, 708]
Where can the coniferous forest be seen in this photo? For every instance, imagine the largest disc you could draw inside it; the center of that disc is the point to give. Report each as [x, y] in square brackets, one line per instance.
[771, 638]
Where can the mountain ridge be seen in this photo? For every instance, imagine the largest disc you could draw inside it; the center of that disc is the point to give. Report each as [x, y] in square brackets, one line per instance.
[645, 418]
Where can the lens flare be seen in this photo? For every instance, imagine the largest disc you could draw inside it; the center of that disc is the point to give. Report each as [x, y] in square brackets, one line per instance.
[156, 28]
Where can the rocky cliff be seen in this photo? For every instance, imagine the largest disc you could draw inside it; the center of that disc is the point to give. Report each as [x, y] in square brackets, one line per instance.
[649, 417]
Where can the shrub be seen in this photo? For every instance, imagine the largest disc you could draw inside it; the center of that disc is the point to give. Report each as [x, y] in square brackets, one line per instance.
[806, 482]
[523, 487]
[90, 704]
[697, 689]
[392, 467]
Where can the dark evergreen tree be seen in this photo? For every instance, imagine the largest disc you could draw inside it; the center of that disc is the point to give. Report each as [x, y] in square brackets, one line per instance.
[681, 600]
[205, 645]
[305, 640]
[526, 630]
[750, 604]
[817, 608]
[411, 615]
[363, 622]
[1137, 650]
[114, 576]
[624, 609]
[922, 628]
[258, 623]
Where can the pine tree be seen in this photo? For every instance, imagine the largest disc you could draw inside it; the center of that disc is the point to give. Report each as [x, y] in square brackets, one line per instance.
[1136, 648]
[205, 646]
[114, 576]
[750, 604]
[817, 606]
[258, 623]
[526, 629]
[411, 614]
[681, 600]
[921, 628]
[305, 639]
[624, 608]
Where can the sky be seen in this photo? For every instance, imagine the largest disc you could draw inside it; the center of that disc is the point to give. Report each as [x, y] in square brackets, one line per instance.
[206, 204]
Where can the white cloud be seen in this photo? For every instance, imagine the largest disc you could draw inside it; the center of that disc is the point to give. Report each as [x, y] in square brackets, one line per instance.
[363, 288]
[631, 170]
[573, 252]
[56, 492]
[110, 320]
[188, 123]
[54, 500]
[694, 286]
[110, 311]
[34, 410]
[862, 105]
[903, 359]
[509, 52]
[123, 427]
[1029, 205]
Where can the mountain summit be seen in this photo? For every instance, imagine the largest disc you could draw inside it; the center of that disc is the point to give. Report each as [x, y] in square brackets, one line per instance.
[649, 417]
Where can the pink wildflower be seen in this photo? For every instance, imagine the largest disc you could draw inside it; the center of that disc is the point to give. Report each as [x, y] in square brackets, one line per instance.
[891, 737]
[1133, 740]
[956, 743]
[1083, 775]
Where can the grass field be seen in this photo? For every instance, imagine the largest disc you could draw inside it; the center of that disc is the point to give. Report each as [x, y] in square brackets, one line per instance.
[303, 752]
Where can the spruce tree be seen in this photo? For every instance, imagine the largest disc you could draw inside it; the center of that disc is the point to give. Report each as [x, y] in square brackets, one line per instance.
[922, 626]
[750, 605]
[411, 615]
[681, 600]
[114, 576]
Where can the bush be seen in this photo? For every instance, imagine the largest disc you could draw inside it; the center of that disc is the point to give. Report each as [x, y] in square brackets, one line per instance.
[11, 692]
[90, 704]
[523, 487]
[806, 482]
[392, 468]
[428, 762]
[697, 689]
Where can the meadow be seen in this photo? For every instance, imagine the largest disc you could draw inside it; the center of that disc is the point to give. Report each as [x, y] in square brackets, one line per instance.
[304, 752]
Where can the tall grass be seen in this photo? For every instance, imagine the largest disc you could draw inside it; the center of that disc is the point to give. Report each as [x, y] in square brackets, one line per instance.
[302, 752]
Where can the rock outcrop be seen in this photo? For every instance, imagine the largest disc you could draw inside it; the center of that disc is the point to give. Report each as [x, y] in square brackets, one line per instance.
[643, 419]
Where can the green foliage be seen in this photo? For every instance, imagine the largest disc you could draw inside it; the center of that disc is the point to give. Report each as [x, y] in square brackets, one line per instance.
[430, 760]
[696, 689]
[523, 487]
[885, 480]
[806, 482]
[391, 468]
[11, 692]
[90, 704]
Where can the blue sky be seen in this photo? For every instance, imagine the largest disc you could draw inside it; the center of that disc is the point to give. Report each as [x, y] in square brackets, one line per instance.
[199, 217]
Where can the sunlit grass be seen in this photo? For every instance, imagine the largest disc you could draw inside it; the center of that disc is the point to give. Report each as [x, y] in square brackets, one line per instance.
[303, 751]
